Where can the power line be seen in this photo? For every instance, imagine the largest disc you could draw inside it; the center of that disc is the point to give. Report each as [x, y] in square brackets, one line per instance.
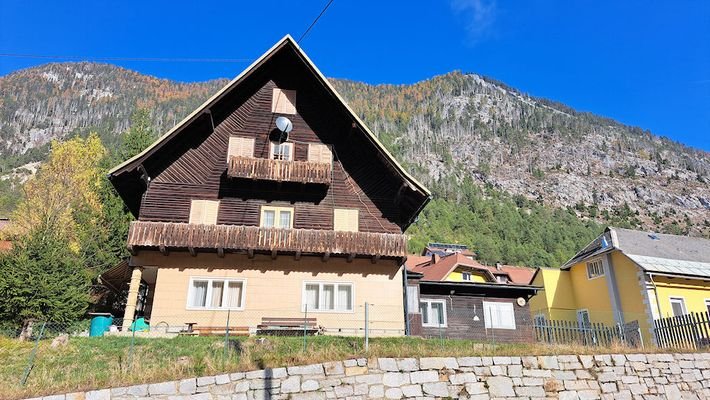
[314, 21]
[150, 59]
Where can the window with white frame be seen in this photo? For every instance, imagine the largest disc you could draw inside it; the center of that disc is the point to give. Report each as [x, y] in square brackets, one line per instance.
[584, 321]
[595, 269]
[433, 312]
[678, 306]
[281, 151]
[216, 294]
[276, 217]
[499, 315]
[327, 296]
[466, 276]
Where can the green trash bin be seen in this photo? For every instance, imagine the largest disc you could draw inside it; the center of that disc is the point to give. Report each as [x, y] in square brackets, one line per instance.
[100, 323]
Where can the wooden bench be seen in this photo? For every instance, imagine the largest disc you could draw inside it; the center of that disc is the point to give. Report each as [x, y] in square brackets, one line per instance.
[287, 326]
[221, 330]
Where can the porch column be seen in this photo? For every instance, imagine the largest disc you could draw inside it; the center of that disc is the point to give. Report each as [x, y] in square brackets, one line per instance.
[132, 299]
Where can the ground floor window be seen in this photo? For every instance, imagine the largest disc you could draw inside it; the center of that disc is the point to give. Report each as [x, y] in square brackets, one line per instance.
[583, 319]
[433, 312]
[499, 315]
[326, 296]
[216, 293]
[678, 306]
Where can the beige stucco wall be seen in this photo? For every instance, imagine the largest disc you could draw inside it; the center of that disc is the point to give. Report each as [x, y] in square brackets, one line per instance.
[274, 289]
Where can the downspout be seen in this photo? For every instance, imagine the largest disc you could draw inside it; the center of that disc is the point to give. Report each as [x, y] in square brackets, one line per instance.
[655, 293]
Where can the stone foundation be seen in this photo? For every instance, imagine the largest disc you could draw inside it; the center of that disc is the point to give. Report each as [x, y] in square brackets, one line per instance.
[613, 376]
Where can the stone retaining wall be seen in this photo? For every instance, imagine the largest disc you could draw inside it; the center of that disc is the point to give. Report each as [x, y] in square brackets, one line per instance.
[615, 376]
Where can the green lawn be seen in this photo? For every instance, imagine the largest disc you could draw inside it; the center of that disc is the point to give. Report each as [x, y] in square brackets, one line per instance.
[90, 363]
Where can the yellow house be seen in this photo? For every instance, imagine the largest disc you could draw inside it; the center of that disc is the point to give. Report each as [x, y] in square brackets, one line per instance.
[624, 276]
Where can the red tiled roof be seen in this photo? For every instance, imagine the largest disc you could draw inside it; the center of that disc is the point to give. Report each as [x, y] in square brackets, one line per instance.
[440, 269]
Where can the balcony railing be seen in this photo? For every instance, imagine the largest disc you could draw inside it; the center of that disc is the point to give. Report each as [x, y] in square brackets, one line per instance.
[166, 235]
[279, 170]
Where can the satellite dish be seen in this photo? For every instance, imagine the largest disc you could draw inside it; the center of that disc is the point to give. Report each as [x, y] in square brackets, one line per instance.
[284, 124]
[521, 301]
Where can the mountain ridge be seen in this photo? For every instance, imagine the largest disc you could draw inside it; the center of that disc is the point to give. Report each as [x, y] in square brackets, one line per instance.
[445, 129]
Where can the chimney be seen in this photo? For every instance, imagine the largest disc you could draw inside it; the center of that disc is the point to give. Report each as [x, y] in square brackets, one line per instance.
[498, 266]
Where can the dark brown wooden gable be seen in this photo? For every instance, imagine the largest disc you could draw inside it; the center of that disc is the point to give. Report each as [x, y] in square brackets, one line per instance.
[194, 166]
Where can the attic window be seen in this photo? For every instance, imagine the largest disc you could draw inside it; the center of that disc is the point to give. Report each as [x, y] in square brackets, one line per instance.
[595, 269]
[345, 220]
[283, 101]
[204, 212]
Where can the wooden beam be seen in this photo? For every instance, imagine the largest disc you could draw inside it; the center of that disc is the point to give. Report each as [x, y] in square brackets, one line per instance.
[351, 257]
[132, 250]
[326, 256]
[250, 253]
[297, 256]
[163, 249]
[274, 254]
[220, 252]
[375, 258]
[192, 251]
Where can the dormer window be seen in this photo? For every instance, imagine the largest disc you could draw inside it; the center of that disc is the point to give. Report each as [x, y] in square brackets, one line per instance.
[281, 151]
[283, 101]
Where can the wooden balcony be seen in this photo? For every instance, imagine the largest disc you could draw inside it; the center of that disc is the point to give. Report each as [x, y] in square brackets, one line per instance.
[279, 170]
[250, 239]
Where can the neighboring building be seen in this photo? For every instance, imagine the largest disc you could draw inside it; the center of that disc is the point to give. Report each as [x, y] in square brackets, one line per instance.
[239, 218]
[624, 276]
[458, 297]
[445, 249]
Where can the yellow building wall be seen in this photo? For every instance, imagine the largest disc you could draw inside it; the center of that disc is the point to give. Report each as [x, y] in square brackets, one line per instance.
[274, 288]
[457, 276]
[694, 293]
[631, 296]
[591, 294]
[556, 300]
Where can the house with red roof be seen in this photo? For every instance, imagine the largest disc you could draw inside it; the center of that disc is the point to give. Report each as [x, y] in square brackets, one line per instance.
[456, 296]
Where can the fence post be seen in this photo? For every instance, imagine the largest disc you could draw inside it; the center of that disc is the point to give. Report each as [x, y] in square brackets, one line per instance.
[226, 336]
[367, 327]
[305, 325]
[31, 360]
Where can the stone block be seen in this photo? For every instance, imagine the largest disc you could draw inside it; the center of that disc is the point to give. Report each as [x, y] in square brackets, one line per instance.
[222, 379]
[352, 371]
[344, 390]
[533, 381]
[637, 358]
[103, 394]
[537, 373]
[205, 381]
[241, 386]
[55, 397]
[334, 368]
[187, 386]
[608, 387]
[393, 393]
[553, 385]
[588, 395]
[461, 379]
[515, 370]
[395, 379]
[437, 389]
[370, 379]
[376, 392]
[476, 388]
[310, 385]
[587, 361]
[531, 391]
[502, 361]
[361, 389]
[237, 376]
[387, 364]
[137, 390]
[568, 395]
[438, 363]
[80, 395]
[361, 362]
[408, 364]
[548, 362]
[424, 376]
[412, 390]
[313, 369]
[498, 370]
[308, 396]
[500, 386]
[469, 361]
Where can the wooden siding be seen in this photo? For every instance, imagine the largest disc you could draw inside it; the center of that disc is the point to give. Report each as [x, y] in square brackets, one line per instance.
[460, 323]
[279, 170]
[163, 235]
[195, 167]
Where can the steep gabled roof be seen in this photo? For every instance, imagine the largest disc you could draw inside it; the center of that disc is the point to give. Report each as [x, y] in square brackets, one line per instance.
[654, 252]
[439, 270]
[133, 165]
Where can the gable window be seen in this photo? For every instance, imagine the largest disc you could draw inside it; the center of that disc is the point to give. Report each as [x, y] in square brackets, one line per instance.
[319, 153]
[595, 269]
[216, 294]
[240, 147]
[433, 312]
[283, 101]
[499, 315]
[500, 278]
[281, 151]
[345, 220]
[466, 276]
[204, 212]
[276, 217]
[678, 306]
[326, 296]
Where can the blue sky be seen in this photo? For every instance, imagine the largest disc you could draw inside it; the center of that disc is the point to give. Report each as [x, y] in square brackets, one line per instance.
[644, 63]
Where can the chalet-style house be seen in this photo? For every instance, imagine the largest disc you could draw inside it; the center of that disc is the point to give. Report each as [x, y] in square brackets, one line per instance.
[270, 200]
[625, 276]
[455, 296]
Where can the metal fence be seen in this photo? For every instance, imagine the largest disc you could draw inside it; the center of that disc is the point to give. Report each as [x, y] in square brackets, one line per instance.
[690, 331]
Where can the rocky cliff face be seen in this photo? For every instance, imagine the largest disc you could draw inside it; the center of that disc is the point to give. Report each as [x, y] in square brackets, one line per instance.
[443, 129]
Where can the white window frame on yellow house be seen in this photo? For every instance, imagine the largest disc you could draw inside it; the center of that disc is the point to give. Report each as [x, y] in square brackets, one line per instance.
[337, 307]
[681, 300]
[199, 214]
[595, 264]
[465, 276]
[490, 322]
[208, 293]
[429, 318]
[277, 216]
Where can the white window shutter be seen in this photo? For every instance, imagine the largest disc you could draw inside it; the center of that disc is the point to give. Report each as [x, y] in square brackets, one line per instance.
[204, 212]
[240, 147]
[283, 101]
[196, 211]
[319, 153]
[345, 220]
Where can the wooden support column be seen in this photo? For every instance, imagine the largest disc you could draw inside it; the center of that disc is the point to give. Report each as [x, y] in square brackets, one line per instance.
[132, 300]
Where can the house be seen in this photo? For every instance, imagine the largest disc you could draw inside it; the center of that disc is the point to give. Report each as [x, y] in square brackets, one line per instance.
[455, 296]
[271, 201]
[626, 276]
